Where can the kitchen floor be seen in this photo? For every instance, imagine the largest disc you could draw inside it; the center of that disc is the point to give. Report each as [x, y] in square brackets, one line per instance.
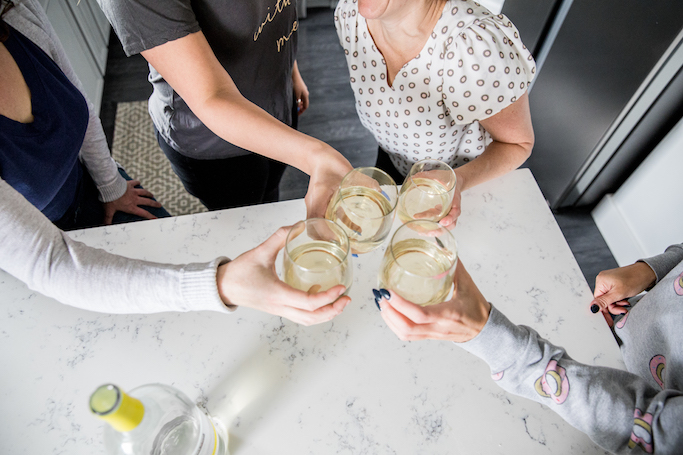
[332, 118]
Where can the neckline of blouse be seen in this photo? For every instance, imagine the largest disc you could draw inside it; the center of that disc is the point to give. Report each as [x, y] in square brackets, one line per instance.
[432, 37]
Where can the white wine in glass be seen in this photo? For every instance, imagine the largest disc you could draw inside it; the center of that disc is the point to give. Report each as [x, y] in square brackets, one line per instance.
[364, 207]
[316, 256]
[427, 192]
[419, 264]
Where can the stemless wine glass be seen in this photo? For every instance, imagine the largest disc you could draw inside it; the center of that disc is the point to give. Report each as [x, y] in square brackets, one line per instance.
[419, 263]
[316, 256]
[427, 192]
[364, 207]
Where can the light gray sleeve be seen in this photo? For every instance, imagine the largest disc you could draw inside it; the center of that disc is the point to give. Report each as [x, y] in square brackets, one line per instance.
[50, 262]
[30, 19]
[663, 263]
[616, 409]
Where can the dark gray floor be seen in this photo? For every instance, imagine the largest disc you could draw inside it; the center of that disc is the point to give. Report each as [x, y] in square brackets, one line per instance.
[332, 118]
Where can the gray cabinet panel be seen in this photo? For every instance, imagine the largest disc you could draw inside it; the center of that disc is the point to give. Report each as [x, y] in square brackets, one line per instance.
[92, 33]
[603, 53]
[77, 50]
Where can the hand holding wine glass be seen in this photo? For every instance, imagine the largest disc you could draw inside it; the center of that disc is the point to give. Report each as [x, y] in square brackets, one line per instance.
[427, 192]
[317, 256]
[459, 319]
[364, 207]
[419, 262]
[250, 280]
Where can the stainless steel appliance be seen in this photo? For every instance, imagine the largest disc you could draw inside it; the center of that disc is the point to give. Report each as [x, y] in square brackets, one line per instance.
[608, 89]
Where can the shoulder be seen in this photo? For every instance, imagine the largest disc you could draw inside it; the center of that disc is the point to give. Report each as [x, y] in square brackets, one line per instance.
[29, 18]
[484, 64]
[145, 24]
[346, 16]
[345, 9]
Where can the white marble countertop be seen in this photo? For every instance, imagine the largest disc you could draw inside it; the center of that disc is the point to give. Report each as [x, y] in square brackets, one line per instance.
[344, 387]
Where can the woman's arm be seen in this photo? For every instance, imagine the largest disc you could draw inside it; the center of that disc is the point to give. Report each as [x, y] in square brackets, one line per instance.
[189, 65]
[616, 409]
[614, 286]
[300, 90]
[513, 139]
[35, 251]
[38, 253]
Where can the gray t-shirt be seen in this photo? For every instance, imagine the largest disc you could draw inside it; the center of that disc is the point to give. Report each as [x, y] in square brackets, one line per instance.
[254, 40]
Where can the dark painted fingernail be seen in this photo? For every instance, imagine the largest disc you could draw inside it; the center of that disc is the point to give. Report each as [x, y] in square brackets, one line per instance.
[595, 308]
[378, 297]
[385, 293]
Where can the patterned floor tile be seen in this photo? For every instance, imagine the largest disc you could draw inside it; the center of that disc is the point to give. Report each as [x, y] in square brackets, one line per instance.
[137, 150]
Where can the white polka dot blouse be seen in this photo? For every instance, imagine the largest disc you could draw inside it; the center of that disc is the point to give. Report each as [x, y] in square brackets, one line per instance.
[473, 66]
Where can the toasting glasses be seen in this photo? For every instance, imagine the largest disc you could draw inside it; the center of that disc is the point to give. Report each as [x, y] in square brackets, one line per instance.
[364, 207]
[316, 256]
[427, 192]
[419, 263]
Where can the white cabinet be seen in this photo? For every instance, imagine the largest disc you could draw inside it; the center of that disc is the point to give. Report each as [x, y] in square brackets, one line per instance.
[644, 217]
[84, 32]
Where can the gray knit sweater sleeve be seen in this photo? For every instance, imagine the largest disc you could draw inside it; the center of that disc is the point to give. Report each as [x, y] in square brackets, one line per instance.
[50, 262]
[613, 407]
[663, 263]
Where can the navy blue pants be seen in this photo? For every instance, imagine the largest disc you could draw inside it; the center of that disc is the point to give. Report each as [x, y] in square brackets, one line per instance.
[229, 182]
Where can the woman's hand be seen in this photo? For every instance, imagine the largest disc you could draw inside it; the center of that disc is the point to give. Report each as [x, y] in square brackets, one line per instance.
[459, 319]
[451, 219]
[130, 202]
[614, 286]
[327, 172]
[300, 90]
[251, 281]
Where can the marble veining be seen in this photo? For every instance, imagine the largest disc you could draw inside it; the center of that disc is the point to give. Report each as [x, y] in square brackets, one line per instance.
[348, 386]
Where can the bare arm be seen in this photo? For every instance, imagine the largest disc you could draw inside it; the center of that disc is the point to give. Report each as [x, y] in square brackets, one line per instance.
[189, 65]
[513, 139]
[300, 90]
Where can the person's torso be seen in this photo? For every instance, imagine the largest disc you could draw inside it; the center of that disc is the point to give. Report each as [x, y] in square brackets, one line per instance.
[651, 333]
[40, 159]
[255, 41]
[416, 117]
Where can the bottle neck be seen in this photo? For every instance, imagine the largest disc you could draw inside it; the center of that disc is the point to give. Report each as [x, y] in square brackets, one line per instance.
[117, 408]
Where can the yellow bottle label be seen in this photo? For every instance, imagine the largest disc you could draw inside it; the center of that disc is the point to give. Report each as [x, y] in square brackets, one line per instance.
[117, 408]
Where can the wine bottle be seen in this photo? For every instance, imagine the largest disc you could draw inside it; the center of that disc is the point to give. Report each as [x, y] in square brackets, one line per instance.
[156, 419]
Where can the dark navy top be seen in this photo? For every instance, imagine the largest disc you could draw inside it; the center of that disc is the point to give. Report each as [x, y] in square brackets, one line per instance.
[40, 159]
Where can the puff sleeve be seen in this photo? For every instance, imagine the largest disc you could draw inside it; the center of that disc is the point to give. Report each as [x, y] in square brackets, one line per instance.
[486, 67]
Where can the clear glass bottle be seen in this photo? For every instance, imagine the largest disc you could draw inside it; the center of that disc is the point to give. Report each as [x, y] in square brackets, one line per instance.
[156, 419]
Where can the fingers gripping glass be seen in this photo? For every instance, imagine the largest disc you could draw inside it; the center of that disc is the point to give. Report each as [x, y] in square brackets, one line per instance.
[427, 192]
[317, 256]
[364, 207]
[419, 263]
